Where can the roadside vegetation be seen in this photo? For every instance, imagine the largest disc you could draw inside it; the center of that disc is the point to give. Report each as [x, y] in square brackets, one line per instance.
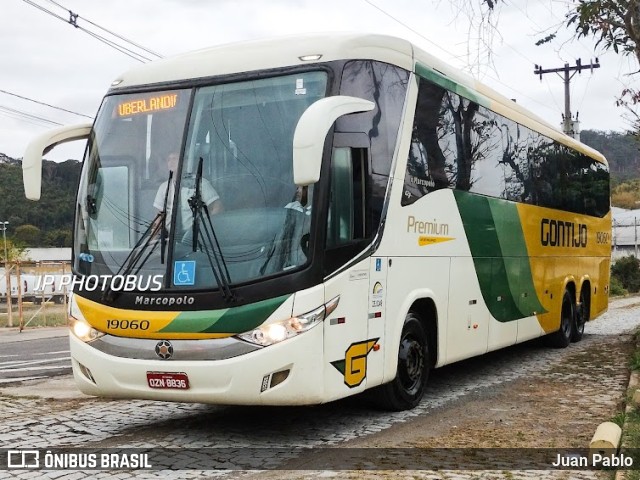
[46, 315]
[629, 420]
[625, 276]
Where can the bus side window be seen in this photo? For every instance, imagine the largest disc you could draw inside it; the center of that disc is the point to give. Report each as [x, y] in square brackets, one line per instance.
[347, 219]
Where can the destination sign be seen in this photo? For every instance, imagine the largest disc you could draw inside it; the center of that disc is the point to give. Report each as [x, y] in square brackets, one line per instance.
[148, 105]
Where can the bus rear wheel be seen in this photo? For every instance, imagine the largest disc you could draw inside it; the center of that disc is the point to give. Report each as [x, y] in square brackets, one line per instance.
[562, 338]
[407, 389]
[582, 316]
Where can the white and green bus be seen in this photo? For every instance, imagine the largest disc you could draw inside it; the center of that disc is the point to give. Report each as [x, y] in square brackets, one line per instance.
[352, 212]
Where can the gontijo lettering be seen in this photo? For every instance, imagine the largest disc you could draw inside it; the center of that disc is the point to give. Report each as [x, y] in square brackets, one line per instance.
[146, 105]
[556, 233]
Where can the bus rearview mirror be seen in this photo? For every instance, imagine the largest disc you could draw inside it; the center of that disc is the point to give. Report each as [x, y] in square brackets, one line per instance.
[311, 132]
[39, 146]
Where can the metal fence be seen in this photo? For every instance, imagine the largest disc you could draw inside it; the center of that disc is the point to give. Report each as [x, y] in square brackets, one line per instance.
[23, 283]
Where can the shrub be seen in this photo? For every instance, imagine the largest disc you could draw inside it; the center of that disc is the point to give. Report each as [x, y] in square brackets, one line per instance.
[616, 289]
[627, 271]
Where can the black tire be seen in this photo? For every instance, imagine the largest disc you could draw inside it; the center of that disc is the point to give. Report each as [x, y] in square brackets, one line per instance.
[562, 338]
[407, 389]
[581, 316]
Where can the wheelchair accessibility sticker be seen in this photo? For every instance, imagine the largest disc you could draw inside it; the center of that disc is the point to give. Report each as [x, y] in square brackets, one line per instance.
[184, 273]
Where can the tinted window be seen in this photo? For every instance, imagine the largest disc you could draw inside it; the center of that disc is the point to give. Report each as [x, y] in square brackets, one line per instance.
[459, 144]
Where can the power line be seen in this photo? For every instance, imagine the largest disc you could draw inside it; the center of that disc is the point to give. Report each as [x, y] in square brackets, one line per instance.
[119, 46]
[488, 76]
[411, 29]
[45, 104]
[24, 115]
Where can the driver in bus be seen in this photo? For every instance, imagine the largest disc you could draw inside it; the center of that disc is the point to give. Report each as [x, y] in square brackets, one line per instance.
[209, 195]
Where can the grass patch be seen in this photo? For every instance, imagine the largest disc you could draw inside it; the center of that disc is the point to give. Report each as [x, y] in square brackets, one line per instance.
[619, 419]
[631, 420]
[635, 361]
[49, 315]
[631, 441]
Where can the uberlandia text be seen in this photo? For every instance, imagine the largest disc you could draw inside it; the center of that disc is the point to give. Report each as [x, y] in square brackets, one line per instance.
[90, 283]
[596, 460]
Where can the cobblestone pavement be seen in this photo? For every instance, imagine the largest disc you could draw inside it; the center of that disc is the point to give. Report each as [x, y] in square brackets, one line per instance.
[30, 423]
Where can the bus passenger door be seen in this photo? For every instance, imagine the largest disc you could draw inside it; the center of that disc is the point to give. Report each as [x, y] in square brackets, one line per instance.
[346, 340]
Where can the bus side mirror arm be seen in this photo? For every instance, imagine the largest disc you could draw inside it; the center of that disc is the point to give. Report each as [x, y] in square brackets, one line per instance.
[311, 132]
[41, 145]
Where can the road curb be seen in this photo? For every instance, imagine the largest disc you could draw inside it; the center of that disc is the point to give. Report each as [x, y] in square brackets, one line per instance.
[61, 387]
[13, 334]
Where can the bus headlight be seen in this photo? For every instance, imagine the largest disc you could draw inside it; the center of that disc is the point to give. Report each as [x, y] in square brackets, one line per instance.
[276, 332]
[79, 326]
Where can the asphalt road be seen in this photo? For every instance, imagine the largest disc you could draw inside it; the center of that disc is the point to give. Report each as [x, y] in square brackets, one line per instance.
[33, 359]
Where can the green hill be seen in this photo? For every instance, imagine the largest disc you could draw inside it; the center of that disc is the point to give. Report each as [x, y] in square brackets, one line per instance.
[48, 222]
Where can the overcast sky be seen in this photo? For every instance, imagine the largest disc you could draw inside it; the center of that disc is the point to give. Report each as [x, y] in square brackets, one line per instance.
[48, 60]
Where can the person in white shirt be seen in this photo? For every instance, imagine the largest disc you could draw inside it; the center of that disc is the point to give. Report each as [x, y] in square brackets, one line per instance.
[208, 194]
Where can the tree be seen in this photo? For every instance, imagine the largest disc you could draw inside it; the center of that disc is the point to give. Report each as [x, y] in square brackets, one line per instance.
[614, 24]
[14, 251]
[28, 235]
[58, 238]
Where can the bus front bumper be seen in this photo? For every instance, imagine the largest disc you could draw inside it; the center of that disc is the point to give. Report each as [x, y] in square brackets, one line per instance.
[287, 373]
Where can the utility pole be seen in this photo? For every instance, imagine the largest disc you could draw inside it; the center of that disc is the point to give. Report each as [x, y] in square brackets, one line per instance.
[569, 126]
[7, 273]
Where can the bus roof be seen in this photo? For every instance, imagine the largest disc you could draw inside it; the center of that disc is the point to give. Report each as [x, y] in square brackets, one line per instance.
[291, 51]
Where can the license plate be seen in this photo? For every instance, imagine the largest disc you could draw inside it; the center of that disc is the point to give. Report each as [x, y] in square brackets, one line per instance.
[170, 380]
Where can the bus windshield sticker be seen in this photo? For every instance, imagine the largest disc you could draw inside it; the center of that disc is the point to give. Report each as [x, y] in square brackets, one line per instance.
[184, 273]
[300, 90]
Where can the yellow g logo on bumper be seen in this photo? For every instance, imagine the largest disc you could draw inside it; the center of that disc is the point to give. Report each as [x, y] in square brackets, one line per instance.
[354, 365]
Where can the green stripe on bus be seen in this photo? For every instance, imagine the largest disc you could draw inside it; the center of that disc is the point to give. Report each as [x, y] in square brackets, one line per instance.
[440, 79]
[500, 256]
[229, 320]
[514, 250]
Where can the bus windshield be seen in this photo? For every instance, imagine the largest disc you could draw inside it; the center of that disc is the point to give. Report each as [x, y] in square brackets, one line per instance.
[196, 184]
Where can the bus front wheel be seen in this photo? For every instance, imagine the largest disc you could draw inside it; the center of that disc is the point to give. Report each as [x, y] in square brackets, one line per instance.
[407, 389]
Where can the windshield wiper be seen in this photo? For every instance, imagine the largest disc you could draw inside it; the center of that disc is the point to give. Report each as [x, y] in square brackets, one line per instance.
[137, 252]
[141, 249]
[164, 233]
[208, 238]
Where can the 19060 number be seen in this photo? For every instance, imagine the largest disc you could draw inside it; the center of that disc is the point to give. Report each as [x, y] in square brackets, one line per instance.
[128, 324]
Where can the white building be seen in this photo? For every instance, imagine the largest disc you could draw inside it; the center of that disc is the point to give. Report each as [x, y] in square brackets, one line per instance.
[625, 230]
[47, 254]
